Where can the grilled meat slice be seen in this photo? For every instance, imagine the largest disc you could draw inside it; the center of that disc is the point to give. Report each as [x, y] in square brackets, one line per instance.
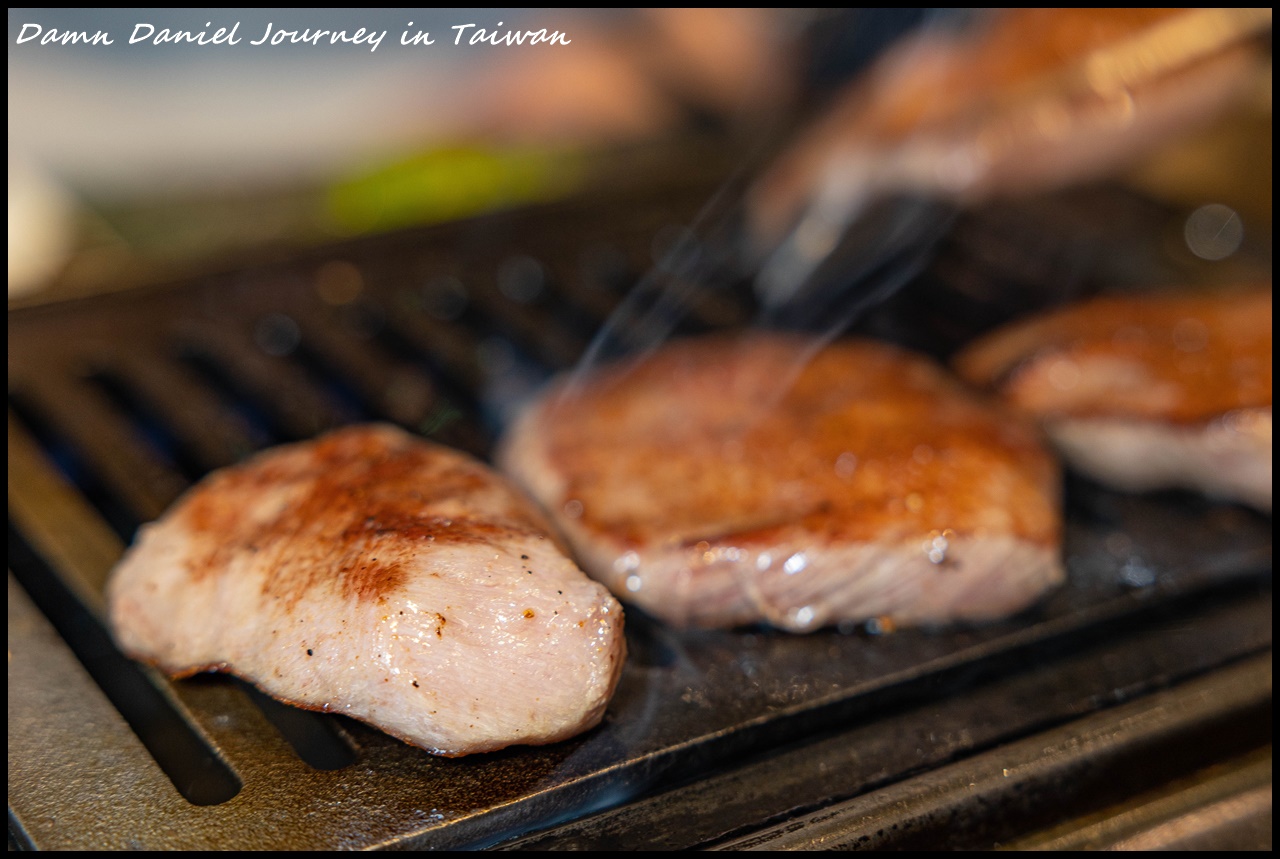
[377, 575]
[1146, 392]
[1018, 101]
[722, 481]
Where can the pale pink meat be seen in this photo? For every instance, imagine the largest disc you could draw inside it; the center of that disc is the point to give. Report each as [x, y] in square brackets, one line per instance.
[1146, 392]
[373, 574]
[728, 480]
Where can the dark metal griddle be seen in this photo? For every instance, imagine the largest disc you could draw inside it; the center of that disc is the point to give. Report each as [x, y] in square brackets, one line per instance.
[1143, 685]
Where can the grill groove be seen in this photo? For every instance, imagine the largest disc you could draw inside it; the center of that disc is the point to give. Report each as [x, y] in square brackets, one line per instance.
[132, 396]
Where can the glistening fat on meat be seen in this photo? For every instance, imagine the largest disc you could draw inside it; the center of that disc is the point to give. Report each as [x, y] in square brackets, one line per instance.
[1149, 391]
[376, 575]
[728, 480]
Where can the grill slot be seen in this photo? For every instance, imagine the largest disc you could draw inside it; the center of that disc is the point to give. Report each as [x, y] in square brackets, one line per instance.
[119, 402]
[426, 331]
[320, 742]
[73, 466]
[345, 403]
[260, 427]
[169, 447]
[194, 768]
[370, 382]
[202, 427]
[83, 418]
[278, 389]
[544, 336]
[447, 358]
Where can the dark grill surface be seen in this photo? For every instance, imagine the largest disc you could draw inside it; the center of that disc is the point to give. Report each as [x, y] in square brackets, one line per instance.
[1151, 666]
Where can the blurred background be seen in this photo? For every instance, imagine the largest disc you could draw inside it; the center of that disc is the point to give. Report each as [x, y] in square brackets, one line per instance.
[132, 163]
[135, 161]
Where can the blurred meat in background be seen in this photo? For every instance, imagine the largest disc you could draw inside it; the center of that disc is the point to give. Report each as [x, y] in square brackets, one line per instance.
[1007, 104]
[135, 163]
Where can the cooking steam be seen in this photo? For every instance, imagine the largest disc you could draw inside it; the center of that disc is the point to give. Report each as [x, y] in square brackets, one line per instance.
[969, 107]
[850, 250]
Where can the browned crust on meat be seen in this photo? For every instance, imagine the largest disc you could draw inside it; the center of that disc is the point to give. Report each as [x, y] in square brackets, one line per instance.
[1179, 358]
[725, 437]
[356, 503]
